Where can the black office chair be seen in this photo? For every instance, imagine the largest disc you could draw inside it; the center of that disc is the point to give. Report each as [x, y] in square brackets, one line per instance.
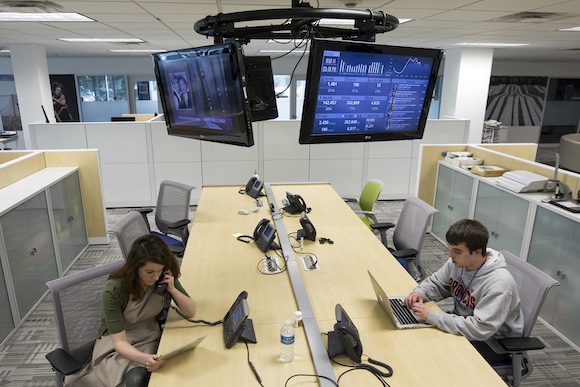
[78, 306]
[408, 235]
[533, 286]
[172, 214]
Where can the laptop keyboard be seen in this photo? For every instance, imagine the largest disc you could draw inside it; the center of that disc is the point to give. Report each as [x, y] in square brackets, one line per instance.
[403, 314]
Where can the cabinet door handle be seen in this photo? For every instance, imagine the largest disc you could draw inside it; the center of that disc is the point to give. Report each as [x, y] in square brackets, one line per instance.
[33, 251]
[70, 218]
[450, 207]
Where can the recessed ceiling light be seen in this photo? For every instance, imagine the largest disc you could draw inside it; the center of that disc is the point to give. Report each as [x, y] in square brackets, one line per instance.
[482, 44]
[102, 40]
[43, 17]
[574, 29]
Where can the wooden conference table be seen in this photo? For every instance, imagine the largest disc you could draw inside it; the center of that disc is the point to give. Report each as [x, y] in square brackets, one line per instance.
[217, 267]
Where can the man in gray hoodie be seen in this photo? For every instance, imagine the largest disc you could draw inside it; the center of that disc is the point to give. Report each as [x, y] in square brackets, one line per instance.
[485, 299]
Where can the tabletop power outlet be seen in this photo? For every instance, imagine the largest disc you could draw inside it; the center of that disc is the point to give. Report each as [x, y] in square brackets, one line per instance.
[271, 265]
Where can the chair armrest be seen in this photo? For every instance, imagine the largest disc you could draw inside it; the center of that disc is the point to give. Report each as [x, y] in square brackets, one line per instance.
[178, 224]
[144, 210]
[382, 226]
[350, 200]
[520, 344]
[405, 253]
[63, 362]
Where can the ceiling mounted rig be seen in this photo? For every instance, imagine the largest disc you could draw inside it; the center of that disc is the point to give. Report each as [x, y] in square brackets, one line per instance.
[301, 22]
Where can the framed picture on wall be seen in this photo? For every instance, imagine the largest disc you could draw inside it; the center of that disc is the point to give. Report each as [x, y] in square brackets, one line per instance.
[64, 98]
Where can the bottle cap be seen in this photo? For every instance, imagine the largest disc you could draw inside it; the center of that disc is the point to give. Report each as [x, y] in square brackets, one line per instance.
[287, 322]
[298, 315]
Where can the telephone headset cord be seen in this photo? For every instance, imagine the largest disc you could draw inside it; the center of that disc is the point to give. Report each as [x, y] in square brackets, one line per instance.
[167, 303]
[254, 371]
[378, 373]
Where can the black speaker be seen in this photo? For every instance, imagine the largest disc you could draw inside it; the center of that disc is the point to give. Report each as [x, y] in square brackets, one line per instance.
[260, 84]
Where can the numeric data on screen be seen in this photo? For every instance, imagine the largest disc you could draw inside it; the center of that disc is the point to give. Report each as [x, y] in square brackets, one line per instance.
[368, 92]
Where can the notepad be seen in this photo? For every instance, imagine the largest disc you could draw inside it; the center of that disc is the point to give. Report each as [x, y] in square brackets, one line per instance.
[181, 349]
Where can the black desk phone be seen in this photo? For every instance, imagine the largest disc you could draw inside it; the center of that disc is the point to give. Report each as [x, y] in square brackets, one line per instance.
[264, 235]
[254, 187]
[296, 204]
[234, 320]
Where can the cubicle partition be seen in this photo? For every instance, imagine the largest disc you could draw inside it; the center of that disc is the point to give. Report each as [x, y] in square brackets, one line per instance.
[136, 156]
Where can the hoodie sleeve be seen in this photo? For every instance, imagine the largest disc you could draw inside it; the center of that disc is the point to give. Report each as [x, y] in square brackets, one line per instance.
[436, 286]
[488, 316]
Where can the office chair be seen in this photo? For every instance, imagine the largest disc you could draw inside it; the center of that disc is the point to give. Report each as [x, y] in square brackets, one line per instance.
[128, 229]
[533, 286]
[408, 235]
[366, 201]
[77, 301]
[172, 214]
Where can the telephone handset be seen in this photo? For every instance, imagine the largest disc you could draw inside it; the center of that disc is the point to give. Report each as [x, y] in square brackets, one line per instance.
[234, 320]
[264, 235]
[254, 187]
[308, 227]
[161, 287]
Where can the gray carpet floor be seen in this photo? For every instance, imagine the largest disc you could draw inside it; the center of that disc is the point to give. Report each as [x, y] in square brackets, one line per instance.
[23, 363]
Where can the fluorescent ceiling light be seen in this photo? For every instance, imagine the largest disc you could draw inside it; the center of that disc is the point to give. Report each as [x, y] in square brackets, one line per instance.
[139, 50]
[492, 44]
[574, 29]
[102, 40]
[4, 50]
[43, 17]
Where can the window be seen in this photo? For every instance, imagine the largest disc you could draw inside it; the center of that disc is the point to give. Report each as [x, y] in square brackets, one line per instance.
[94, 88]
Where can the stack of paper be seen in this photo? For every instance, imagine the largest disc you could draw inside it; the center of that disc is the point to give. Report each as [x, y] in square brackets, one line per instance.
[522, 181]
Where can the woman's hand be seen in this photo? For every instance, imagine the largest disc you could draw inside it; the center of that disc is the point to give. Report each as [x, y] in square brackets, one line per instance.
[167, 277]
[153, 363]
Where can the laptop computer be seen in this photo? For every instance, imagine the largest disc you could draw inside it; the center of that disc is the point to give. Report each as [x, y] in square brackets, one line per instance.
[396, 310]
[181, 349]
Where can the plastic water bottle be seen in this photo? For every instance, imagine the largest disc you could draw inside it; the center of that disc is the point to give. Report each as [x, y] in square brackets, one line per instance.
[287, 342]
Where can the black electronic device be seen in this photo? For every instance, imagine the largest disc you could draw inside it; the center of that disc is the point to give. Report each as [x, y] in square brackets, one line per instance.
[161, 287]
[122, 119]
[296, 204]
[308, 228]
[345, 338]
[264, 235]
[204, 93]
[260, 81]
[236, 322]
[357, 91]
[254, 187]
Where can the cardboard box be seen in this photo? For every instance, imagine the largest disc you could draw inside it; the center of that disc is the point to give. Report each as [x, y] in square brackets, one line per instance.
[488, 170]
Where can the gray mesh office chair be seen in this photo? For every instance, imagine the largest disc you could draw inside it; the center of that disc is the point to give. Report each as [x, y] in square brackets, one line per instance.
[408, 235]
[533, 286]
[128, 229]
[77, 301]
[172, 214]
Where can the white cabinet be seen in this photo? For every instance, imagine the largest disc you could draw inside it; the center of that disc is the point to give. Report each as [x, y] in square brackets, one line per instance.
[452, 199]
[42, 232]
[504, 215]
[555, 249]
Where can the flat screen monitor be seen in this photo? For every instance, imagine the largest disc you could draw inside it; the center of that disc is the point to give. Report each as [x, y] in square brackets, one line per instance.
[122, 119]
[203, 93]
[358, 91]
[260, 81]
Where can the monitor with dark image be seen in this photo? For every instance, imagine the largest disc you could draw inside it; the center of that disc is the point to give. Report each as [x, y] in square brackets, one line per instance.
[203, 93]
[358, 91]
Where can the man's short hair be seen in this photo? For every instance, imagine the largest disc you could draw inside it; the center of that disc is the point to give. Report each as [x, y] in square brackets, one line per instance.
[468, 231]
